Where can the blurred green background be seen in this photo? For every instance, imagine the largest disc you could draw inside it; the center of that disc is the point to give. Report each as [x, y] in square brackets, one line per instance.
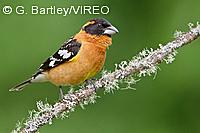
[168, 104]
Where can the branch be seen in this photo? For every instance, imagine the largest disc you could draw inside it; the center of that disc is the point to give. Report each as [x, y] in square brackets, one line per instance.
[145, 63]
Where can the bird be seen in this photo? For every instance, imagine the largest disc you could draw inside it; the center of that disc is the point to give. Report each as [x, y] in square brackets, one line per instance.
[78, 59]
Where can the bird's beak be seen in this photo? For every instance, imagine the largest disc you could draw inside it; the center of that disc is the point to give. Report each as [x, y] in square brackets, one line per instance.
[110, 30]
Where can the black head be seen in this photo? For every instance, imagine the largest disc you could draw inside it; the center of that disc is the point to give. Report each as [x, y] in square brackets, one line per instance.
[99, 26]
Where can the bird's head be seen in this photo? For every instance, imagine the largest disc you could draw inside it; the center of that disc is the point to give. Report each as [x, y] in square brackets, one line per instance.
[99, 26]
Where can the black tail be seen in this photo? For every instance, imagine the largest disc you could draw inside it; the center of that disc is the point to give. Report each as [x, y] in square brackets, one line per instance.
[20, 86]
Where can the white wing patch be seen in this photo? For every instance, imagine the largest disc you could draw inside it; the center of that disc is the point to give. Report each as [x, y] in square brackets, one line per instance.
[64, 54]
[53, 60]
[51, 64]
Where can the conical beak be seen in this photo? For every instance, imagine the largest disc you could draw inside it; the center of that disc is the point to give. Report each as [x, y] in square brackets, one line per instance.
[110, 30]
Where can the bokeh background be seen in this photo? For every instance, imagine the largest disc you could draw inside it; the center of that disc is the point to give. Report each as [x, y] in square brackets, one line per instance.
[167, 104]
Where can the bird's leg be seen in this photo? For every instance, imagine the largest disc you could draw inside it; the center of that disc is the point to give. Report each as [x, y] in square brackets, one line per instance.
[61, 96]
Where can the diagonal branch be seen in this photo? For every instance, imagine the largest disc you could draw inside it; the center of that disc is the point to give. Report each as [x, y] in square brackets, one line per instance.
[145, 63]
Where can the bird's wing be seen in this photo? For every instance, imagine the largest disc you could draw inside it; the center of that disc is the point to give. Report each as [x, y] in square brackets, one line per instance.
[66, 53]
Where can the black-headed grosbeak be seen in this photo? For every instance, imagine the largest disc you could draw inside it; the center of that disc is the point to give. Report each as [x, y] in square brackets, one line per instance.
[78, 59]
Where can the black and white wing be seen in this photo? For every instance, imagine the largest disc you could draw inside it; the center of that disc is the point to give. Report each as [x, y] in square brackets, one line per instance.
[67, 51]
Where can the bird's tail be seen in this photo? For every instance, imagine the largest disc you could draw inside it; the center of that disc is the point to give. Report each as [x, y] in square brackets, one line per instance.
[37, 77]
[20, 86]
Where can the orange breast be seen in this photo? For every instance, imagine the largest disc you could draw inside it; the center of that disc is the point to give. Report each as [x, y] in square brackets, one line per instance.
[87, 64]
